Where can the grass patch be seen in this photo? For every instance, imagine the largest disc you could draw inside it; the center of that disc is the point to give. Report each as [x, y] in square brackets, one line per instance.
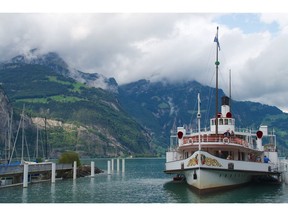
[76, 86]
[57, 98]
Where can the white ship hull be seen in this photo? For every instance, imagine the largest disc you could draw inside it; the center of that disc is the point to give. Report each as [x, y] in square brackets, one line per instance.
[208, 180]
[213, 173]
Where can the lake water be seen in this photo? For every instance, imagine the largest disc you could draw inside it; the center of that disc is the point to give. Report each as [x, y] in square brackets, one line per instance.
[142, 182]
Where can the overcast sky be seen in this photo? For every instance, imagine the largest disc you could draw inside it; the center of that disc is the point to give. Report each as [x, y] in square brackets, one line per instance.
[172, 46]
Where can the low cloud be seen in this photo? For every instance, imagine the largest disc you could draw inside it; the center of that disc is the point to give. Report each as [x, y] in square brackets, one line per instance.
[168, 46]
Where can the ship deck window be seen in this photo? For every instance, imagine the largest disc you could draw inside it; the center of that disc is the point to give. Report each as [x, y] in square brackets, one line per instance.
[220, 121]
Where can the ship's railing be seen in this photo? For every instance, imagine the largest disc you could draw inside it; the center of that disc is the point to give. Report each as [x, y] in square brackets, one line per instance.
[247, 131]
[214, 139]
[241, 136]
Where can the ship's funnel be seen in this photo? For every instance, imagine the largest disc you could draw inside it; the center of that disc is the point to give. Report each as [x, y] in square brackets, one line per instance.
[225, 108]
[225, 100]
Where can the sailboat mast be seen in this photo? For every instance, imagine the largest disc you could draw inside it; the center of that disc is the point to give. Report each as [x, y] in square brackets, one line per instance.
[10, 120]
[217, 64]
[37, 144]
[46, 146]
[22, 124]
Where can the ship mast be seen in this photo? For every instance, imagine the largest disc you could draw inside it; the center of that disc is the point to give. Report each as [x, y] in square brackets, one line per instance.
[199, 120]
[230, 90]
[217, 64]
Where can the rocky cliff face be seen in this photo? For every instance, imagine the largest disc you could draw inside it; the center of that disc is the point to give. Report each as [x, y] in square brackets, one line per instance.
[5, 120]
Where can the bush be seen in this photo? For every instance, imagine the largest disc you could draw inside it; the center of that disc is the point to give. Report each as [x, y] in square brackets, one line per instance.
[69, 157]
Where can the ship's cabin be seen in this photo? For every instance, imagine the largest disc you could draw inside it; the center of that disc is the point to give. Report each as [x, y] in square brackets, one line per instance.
[224, 120]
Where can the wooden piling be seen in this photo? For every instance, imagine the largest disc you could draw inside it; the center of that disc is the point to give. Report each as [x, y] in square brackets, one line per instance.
[112, 165]
[118, 164]
[123, 165]
[108, 167]
[75, 170]
[92, 168]
[25, 176]
[53, 173]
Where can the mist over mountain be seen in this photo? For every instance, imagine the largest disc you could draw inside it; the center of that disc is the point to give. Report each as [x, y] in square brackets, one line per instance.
[53, 61]
[91, 114]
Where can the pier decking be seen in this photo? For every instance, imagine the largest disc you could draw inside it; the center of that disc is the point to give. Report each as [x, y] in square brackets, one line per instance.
[15, 174]
[11, 170]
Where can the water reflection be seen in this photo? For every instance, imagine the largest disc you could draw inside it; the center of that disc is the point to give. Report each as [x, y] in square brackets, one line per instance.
[181, 192]
[108, 178]
[91, 188]
[24, 195]
[53, 192]
[142, 182]
[74, 191]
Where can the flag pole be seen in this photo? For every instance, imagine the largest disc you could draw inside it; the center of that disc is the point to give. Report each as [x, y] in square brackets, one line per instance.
[217, 64]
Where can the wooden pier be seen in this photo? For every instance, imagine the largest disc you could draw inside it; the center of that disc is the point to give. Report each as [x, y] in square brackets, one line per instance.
[15, 174]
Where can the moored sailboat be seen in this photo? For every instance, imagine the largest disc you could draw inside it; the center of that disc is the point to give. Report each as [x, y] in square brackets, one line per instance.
[223, 155]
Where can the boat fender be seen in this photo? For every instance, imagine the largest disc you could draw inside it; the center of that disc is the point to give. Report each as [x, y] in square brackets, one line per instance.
[226, 140]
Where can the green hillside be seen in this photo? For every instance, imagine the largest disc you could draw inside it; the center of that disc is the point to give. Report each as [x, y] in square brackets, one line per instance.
[108, 130]
[161, 107]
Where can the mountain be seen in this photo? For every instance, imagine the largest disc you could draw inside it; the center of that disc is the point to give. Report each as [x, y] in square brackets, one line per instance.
[92, 115]
[53, 61]
[161, 106]
[78, 117]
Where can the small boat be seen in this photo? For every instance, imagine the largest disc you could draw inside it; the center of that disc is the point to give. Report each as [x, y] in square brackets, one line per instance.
[179, 178]
[222, 156]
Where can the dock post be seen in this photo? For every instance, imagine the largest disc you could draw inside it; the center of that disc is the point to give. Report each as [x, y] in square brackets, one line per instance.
[118, 165]
[123, 165]
[92, 168]
[53, 174]
[75, 170]
[108, 167]
[112, 165]
[25, 176]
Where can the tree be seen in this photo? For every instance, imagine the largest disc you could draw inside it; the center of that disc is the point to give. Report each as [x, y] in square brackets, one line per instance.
[69, 157]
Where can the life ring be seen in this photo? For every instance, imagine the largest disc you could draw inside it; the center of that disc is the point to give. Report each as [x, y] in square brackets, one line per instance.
[225, 140]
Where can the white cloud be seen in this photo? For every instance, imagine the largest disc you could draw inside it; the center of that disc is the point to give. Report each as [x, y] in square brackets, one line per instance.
[159, 45]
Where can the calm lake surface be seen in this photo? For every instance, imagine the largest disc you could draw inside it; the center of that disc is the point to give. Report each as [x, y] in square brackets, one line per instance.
[142, 182]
